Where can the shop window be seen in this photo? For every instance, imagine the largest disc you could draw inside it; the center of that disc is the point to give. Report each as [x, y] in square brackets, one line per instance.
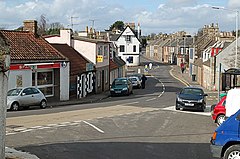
[44, 81]
[44, 78]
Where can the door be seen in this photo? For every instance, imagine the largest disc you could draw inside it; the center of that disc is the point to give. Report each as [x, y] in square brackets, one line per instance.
[27, 97]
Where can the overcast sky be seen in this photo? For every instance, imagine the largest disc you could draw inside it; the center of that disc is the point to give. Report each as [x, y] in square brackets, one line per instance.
[154, 16]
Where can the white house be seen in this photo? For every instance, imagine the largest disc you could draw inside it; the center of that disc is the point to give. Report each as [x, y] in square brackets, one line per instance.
[128, 46]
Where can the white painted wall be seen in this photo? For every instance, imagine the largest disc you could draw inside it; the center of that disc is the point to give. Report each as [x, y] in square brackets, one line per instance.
[26, 78]
[64, 38]
[64, 82]
[87, 49]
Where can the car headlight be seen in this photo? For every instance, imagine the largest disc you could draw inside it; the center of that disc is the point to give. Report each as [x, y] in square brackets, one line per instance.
[111, 89]
[179, 99]
[125, 88]
[200, 100]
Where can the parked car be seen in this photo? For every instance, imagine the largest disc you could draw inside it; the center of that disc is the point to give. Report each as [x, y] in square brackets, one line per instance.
[121, 86]
[25, 97]
[192, 98]
[135, 81]
[219, 111]
[225, 141]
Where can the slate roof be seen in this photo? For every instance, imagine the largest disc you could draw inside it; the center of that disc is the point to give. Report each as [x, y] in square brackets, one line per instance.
[77, 61]
[26, 47]
[117, 36]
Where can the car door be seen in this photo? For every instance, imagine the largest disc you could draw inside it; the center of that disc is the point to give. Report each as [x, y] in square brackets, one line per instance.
[26, 98]
[37, 96]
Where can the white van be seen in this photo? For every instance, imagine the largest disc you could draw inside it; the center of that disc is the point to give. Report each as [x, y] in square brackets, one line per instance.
[232, 102]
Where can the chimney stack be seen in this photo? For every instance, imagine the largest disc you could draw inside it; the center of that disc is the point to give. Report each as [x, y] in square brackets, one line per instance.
[30, 25]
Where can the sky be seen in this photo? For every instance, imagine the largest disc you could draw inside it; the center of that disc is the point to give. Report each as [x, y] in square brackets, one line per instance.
[154, 16]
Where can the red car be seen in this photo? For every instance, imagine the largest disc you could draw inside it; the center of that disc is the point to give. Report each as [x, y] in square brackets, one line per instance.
[219, 111]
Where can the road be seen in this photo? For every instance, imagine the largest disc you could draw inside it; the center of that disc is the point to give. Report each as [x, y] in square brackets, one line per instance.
[140, 126]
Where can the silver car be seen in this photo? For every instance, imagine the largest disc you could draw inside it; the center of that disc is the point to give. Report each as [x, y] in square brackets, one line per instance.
[25, 97]
[135, 81]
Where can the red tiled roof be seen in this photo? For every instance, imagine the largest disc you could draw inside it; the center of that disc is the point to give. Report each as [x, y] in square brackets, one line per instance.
[25, 46]
[77, 61]
[113, 65]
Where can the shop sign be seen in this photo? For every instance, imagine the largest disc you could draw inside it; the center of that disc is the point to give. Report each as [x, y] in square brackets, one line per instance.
[99, 58]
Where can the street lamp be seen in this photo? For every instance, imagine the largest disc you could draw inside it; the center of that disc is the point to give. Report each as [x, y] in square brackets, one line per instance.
[237, 14]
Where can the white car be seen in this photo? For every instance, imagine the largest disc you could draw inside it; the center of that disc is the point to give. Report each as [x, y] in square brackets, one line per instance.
[25, 97]
[135, 81]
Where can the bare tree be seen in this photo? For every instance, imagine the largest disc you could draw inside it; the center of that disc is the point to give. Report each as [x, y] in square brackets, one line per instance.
[42, 25]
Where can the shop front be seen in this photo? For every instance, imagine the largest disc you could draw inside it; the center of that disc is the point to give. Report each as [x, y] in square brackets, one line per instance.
[51, 78]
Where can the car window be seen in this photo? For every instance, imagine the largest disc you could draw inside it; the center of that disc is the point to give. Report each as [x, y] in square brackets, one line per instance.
[192, 91]
[14, 92]
[28, 91]
[120, 82]
[133, 79]
[35, 91]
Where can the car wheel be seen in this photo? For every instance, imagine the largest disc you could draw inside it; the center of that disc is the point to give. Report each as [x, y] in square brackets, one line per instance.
[232, 152]
[43, 104]
[15, 106]
[220, 119]
[177, 108]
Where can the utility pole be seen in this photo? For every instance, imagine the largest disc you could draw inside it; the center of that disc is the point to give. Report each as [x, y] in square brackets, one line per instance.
[4, 67]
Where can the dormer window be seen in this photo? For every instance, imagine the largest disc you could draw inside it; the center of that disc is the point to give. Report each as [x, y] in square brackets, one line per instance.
[128, 38]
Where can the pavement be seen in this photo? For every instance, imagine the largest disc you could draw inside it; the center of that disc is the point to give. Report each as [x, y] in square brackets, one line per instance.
[175, 72]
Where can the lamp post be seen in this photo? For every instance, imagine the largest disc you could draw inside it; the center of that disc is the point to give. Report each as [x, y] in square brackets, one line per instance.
[237, 15]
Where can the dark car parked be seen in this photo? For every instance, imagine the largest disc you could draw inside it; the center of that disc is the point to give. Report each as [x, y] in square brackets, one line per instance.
[192, 98]
[121, 86]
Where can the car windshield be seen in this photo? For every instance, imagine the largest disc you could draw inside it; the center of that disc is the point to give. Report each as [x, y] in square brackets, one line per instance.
[14, 92]
[133, 79]
[120, 82]
[192, 91]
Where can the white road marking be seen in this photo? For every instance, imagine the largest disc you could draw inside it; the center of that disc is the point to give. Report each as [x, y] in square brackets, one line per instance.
[163, 86]
[93, 126]
[129, 103]
[172, 108]
[150, 99]
[20, 129]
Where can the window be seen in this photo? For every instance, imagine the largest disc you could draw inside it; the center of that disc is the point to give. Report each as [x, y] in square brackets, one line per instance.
[134, 48]
[122, 48]
[128, 38]
[106, 51]
[100, 50]
[44, 80]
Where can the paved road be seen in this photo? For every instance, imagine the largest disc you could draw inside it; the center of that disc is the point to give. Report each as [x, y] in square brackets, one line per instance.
[140, 126]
